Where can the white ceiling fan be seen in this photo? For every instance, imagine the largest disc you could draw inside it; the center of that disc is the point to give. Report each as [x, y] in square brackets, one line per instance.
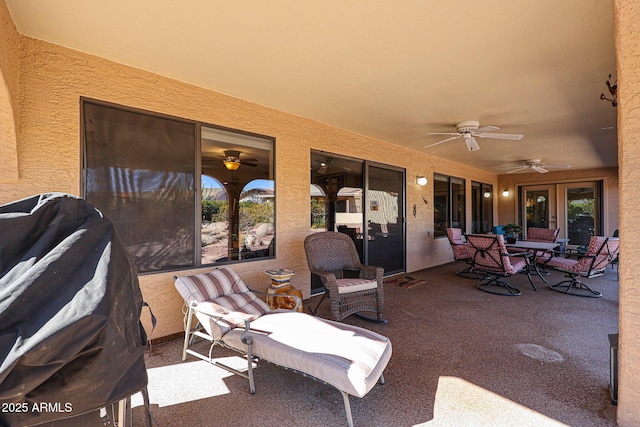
[470, 129]
[535, 165]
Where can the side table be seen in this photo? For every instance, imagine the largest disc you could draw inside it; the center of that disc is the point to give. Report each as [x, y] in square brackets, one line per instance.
[279, 288]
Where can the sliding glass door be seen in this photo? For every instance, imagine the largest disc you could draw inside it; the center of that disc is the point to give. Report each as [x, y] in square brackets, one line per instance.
[364, 200]
[385, 217]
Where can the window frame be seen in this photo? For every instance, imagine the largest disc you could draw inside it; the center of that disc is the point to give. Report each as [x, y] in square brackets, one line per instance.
[449, 214]
[196, 261]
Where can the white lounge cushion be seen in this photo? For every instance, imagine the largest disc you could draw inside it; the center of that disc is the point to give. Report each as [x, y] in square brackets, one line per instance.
[346, 286]
[350, 358]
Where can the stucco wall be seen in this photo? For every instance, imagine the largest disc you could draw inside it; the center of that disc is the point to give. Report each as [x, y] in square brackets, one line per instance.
[627, 36]
[9, 60]
[508, 206]
[52, 80]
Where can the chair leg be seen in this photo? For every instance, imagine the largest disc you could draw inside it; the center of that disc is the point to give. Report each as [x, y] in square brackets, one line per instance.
[575, 287]
[507, 290]
[347, 408]
[187, 333]
[314, 311]
[378, 319]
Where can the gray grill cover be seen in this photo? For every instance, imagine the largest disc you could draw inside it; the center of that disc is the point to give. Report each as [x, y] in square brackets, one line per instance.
[71, 340]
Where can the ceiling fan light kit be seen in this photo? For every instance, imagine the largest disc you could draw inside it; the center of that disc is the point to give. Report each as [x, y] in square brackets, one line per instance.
[471, 129]
[232, 162]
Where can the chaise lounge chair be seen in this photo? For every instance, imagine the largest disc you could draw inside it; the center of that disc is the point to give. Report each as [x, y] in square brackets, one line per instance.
[349, 358]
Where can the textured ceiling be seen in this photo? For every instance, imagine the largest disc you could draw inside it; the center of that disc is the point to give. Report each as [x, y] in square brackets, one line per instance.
[392, 71]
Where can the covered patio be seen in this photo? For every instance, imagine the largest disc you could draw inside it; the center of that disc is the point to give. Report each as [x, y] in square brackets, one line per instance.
[461, 358]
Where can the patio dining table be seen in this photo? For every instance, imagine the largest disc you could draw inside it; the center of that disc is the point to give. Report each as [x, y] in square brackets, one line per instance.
[533, 248]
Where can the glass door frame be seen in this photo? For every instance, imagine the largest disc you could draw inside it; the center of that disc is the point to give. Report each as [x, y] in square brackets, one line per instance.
[402, 214]
[598, 206]
[558, 189]
[552, 201]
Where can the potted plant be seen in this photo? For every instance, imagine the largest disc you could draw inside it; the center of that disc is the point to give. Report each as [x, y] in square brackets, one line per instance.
[511, 232]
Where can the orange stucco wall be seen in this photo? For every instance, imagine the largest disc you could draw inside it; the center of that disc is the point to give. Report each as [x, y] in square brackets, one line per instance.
[51, 81]
[627, 36]
[9, 60]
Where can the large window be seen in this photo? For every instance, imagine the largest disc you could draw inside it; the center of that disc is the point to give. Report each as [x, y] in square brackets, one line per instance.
[448, 204]
[481, 207]
[141, 170]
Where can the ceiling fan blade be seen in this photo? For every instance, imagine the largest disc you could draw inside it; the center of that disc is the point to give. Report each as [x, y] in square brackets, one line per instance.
[518, 169]
[472, 144]
[557, 166]
[539, 169]
[444, 140]
[444, 133]
[511, 136]
[248, 164]
[485, 129]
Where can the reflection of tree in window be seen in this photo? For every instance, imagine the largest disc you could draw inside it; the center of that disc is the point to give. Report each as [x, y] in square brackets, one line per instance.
[256, 218]
[215, 221]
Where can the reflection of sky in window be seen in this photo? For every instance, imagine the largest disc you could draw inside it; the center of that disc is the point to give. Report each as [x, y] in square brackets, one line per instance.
[208, 182]
[265, 184]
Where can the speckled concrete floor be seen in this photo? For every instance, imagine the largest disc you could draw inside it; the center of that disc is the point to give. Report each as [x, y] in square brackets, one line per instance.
[461, 357]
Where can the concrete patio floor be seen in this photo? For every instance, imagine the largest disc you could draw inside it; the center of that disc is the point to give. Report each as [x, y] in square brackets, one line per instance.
[461, 357]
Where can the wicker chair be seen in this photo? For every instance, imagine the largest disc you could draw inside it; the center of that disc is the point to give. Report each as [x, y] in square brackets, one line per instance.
[352, 287]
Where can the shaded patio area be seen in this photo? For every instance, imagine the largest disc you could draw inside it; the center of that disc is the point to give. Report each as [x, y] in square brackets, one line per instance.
[460, 357]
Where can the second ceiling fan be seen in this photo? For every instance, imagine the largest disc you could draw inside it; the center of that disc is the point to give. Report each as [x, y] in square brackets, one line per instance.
[469, 130]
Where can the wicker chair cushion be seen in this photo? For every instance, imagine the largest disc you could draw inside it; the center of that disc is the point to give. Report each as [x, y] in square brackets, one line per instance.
[345, 356]
[346, 286]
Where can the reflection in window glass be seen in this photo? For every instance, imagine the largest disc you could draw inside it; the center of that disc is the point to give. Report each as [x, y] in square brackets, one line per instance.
[238, 210]
[481, 207]
[144, 172]
[440, 205]
[139, 172]
[448, 204]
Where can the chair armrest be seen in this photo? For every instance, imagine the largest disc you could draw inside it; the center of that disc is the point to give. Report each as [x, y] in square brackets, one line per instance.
[328, 279]
[371, 272]
[524, 254]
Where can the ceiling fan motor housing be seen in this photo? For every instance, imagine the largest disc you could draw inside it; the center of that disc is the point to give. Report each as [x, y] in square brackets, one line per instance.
[467, 126]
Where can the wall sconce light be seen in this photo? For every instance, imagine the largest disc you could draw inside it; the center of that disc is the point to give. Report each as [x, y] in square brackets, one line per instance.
[487, 194]
[421, 180]
[506, 193]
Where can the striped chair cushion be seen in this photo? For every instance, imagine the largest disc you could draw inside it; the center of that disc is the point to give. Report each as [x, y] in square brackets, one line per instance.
[223, 294]
[210, 285]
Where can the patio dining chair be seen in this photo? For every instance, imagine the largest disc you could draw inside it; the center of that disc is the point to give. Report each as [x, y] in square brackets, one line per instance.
[600, 253]
[461, 252]
[221, 309]
[352, 288]
[490, 257]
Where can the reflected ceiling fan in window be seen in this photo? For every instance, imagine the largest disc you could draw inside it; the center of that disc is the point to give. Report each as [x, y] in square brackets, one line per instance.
[535, 165]
[470, 130]
[232, 161]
